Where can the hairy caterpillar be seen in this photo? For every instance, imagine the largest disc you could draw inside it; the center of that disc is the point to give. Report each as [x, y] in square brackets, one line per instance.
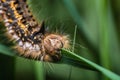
[31, 39]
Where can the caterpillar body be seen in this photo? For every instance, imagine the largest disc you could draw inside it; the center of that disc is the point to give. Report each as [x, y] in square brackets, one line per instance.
[32, 41]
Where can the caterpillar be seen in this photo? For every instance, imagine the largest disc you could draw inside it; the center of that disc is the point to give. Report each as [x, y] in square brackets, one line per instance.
[31, 38]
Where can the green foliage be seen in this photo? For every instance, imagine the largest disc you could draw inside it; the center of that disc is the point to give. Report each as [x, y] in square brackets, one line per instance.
[106, 72]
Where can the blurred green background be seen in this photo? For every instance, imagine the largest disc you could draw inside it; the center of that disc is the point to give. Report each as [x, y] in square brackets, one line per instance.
[97, 39]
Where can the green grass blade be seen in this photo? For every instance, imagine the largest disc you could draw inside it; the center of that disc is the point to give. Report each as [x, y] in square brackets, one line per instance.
[39, 70]
[73, 48]
[74, 39]
[104, 31]
[106, 72]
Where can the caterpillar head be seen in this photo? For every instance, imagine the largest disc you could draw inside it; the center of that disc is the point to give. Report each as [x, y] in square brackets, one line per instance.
[52, 44]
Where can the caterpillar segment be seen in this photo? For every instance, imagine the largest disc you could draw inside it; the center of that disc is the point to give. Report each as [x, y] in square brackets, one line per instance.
[32, 41]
